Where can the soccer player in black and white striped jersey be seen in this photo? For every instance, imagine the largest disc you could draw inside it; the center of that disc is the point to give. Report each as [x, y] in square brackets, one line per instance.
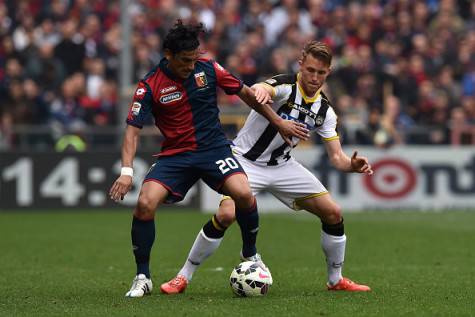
[265, 157]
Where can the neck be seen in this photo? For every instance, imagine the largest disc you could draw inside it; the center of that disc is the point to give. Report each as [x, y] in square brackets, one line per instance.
[308, 93]
[172, 70]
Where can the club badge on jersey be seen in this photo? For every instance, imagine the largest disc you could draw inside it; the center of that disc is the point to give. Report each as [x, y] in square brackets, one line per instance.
[319, 120]
[200, 79]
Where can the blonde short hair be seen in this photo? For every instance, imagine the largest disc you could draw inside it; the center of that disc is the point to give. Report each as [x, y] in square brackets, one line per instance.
[319, 50]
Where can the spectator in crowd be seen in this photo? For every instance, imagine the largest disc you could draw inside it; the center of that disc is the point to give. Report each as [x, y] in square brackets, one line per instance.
[421, 52]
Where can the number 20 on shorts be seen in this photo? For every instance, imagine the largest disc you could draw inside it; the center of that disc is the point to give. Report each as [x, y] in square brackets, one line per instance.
[227, 164]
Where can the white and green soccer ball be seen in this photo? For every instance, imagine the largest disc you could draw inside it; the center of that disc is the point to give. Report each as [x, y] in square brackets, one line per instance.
[249, 279]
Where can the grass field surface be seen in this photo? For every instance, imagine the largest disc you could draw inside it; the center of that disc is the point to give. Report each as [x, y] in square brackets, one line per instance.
[77, 263]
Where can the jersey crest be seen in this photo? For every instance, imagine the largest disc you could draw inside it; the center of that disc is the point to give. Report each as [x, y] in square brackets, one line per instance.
[200, 79]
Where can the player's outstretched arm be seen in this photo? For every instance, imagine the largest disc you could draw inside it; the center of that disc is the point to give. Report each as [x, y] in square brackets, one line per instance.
[259, 99]
[338, 158]
[124, 182]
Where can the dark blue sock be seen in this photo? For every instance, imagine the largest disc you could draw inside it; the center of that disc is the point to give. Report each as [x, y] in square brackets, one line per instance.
[143, 235]
[248, 220]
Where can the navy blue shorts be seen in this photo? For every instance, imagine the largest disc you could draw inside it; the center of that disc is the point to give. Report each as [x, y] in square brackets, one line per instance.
[177, 173]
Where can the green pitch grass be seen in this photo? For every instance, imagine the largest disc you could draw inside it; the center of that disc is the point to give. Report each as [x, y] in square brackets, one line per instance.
[81, 264]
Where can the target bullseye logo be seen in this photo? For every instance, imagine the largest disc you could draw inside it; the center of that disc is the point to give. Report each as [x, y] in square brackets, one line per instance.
[392, 179]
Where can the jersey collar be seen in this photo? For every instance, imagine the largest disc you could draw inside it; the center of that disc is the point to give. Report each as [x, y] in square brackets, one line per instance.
[164, 67]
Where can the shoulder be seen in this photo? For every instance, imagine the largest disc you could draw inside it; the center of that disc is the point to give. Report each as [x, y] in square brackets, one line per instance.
[153, 78]
[152, 74]
[326, 101]
[208, 65]
[282, 79]
[326, 108]
[206, 62]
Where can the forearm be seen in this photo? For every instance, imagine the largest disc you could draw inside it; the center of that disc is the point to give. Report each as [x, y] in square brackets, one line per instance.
[341, 162]
[247, 95]
[267, 112]
[129, 147]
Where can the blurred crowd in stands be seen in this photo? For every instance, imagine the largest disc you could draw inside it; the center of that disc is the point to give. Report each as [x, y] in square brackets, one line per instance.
[403, 70]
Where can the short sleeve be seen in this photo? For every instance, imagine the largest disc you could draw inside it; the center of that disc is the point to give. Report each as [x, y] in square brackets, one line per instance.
[328, 129]
[141, 105]
[227, 81]
[281, 86]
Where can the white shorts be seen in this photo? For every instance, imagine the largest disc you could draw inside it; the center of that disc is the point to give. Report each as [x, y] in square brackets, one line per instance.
[289, 182]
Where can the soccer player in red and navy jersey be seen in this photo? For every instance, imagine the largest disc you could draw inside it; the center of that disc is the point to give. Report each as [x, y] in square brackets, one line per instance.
[181, 94]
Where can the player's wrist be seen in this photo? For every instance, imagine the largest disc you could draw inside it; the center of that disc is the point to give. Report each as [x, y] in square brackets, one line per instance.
[353, 167]
[129, 171]
[278, 121]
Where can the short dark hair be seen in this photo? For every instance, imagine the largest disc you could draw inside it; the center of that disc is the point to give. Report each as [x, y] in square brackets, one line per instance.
[183, 37]
[318, 50]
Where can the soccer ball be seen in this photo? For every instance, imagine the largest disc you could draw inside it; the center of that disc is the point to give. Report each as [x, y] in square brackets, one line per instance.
[249, 279]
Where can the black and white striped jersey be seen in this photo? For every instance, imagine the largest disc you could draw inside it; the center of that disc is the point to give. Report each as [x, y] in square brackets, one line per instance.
[260, 142]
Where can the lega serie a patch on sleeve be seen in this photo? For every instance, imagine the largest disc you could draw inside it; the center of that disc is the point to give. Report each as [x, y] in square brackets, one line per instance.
[282, 79]
[271, 81]
[136, 106]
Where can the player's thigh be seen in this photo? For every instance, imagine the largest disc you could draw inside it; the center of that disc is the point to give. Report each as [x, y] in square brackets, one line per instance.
[259, 177]
[294, 183]
[258, 180]
[221, 171]
[237, 187]
[175, 173]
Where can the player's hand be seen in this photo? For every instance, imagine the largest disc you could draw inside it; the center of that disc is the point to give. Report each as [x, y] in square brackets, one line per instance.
[262, 95]
[289, 129]
[360, 164]
[120, 187]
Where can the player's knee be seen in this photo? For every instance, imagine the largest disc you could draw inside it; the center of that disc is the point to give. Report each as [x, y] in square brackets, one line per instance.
[332, 215]
[226, 214]
[243, 197]
[145, 208]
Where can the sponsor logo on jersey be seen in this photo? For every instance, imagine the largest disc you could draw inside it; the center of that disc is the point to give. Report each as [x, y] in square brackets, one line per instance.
[307, 112]
[291, 118]
[200, 79]
[140, 91]
[174, 96]
[136, 108]
[167, 89]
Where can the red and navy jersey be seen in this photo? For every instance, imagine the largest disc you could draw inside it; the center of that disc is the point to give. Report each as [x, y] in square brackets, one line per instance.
[185, 111]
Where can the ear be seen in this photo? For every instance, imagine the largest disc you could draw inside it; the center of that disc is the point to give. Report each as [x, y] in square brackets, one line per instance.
[168, 54]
